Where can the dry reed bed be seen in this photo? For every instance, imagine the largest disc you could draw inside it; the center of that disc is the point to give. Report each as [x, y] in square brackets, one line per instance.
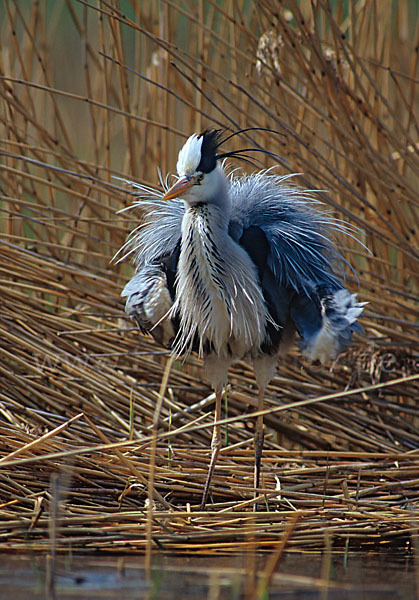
[55, 369]
[81, 447]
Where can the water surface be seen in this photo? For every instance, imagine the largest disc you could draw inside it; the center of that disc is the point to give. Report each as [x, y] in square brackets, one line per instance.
[357, 576]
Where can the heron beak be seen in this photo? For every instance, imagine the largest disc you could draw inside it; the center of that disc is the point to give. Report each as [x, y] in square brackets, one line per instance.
[179, 188]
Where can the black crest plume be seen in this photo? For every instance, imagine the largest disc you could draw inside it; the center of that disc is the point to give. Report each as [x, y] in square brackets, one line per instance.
[213, 139]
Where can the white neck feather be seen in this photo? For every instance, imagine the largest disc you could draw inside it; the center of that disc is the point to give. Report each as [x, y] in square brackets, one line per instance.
[218, 295]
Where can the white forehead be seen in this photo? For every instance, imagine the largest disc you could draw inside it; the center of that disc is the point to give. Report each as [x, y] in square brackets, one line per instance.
[189, 155]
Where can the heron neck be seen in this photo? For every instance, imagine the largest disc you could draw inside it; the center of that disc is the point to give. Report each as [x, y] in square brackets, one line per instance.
[212, 271]
[205, 300]
[204, 225]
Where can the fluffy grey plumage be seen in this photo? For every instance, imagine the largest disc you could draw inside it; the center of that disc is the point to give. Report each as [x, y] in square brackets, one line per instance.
[299, 257]
[236, 268]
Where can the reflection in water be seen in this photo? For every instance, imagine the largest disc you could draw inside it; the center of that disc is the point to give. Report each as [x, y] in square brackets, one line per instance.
[298, 577]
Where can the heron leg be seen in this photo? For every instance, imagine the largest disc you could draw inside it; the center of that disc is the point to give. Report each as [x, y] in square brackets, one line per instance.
[215, 446]
[259, 435]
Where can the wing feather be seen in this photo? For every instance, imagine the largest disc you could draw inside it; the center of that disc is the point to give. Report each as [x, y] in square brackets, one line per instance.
[299, 235]
[291, 243]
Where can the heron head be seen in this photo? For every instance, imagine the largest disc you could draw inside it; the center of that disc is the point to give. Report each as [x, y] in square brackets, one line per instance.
[201, 179]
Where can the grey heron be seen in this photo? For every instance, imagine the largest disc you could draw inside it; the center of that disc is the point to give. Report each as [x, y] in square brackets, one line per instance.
[234, 267]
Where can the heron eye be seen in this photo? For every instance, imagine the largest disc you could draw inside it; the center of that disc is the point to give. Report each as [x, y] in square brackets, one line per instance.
[199, 178]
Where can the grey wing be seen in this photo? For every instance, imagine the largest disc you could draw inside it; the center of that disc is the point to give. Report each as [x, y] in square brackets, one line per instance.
[149, 303]
[154, 249]
[326, 322]
[290, 243]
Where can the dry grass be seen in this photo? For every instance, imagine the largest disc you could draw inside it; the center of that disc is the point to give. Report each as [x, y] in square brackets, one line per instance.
[89, 92]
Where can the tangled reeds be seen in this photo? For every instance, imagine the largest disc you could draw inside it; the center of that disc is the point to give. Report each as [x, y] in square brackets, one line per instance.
[90, 92]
